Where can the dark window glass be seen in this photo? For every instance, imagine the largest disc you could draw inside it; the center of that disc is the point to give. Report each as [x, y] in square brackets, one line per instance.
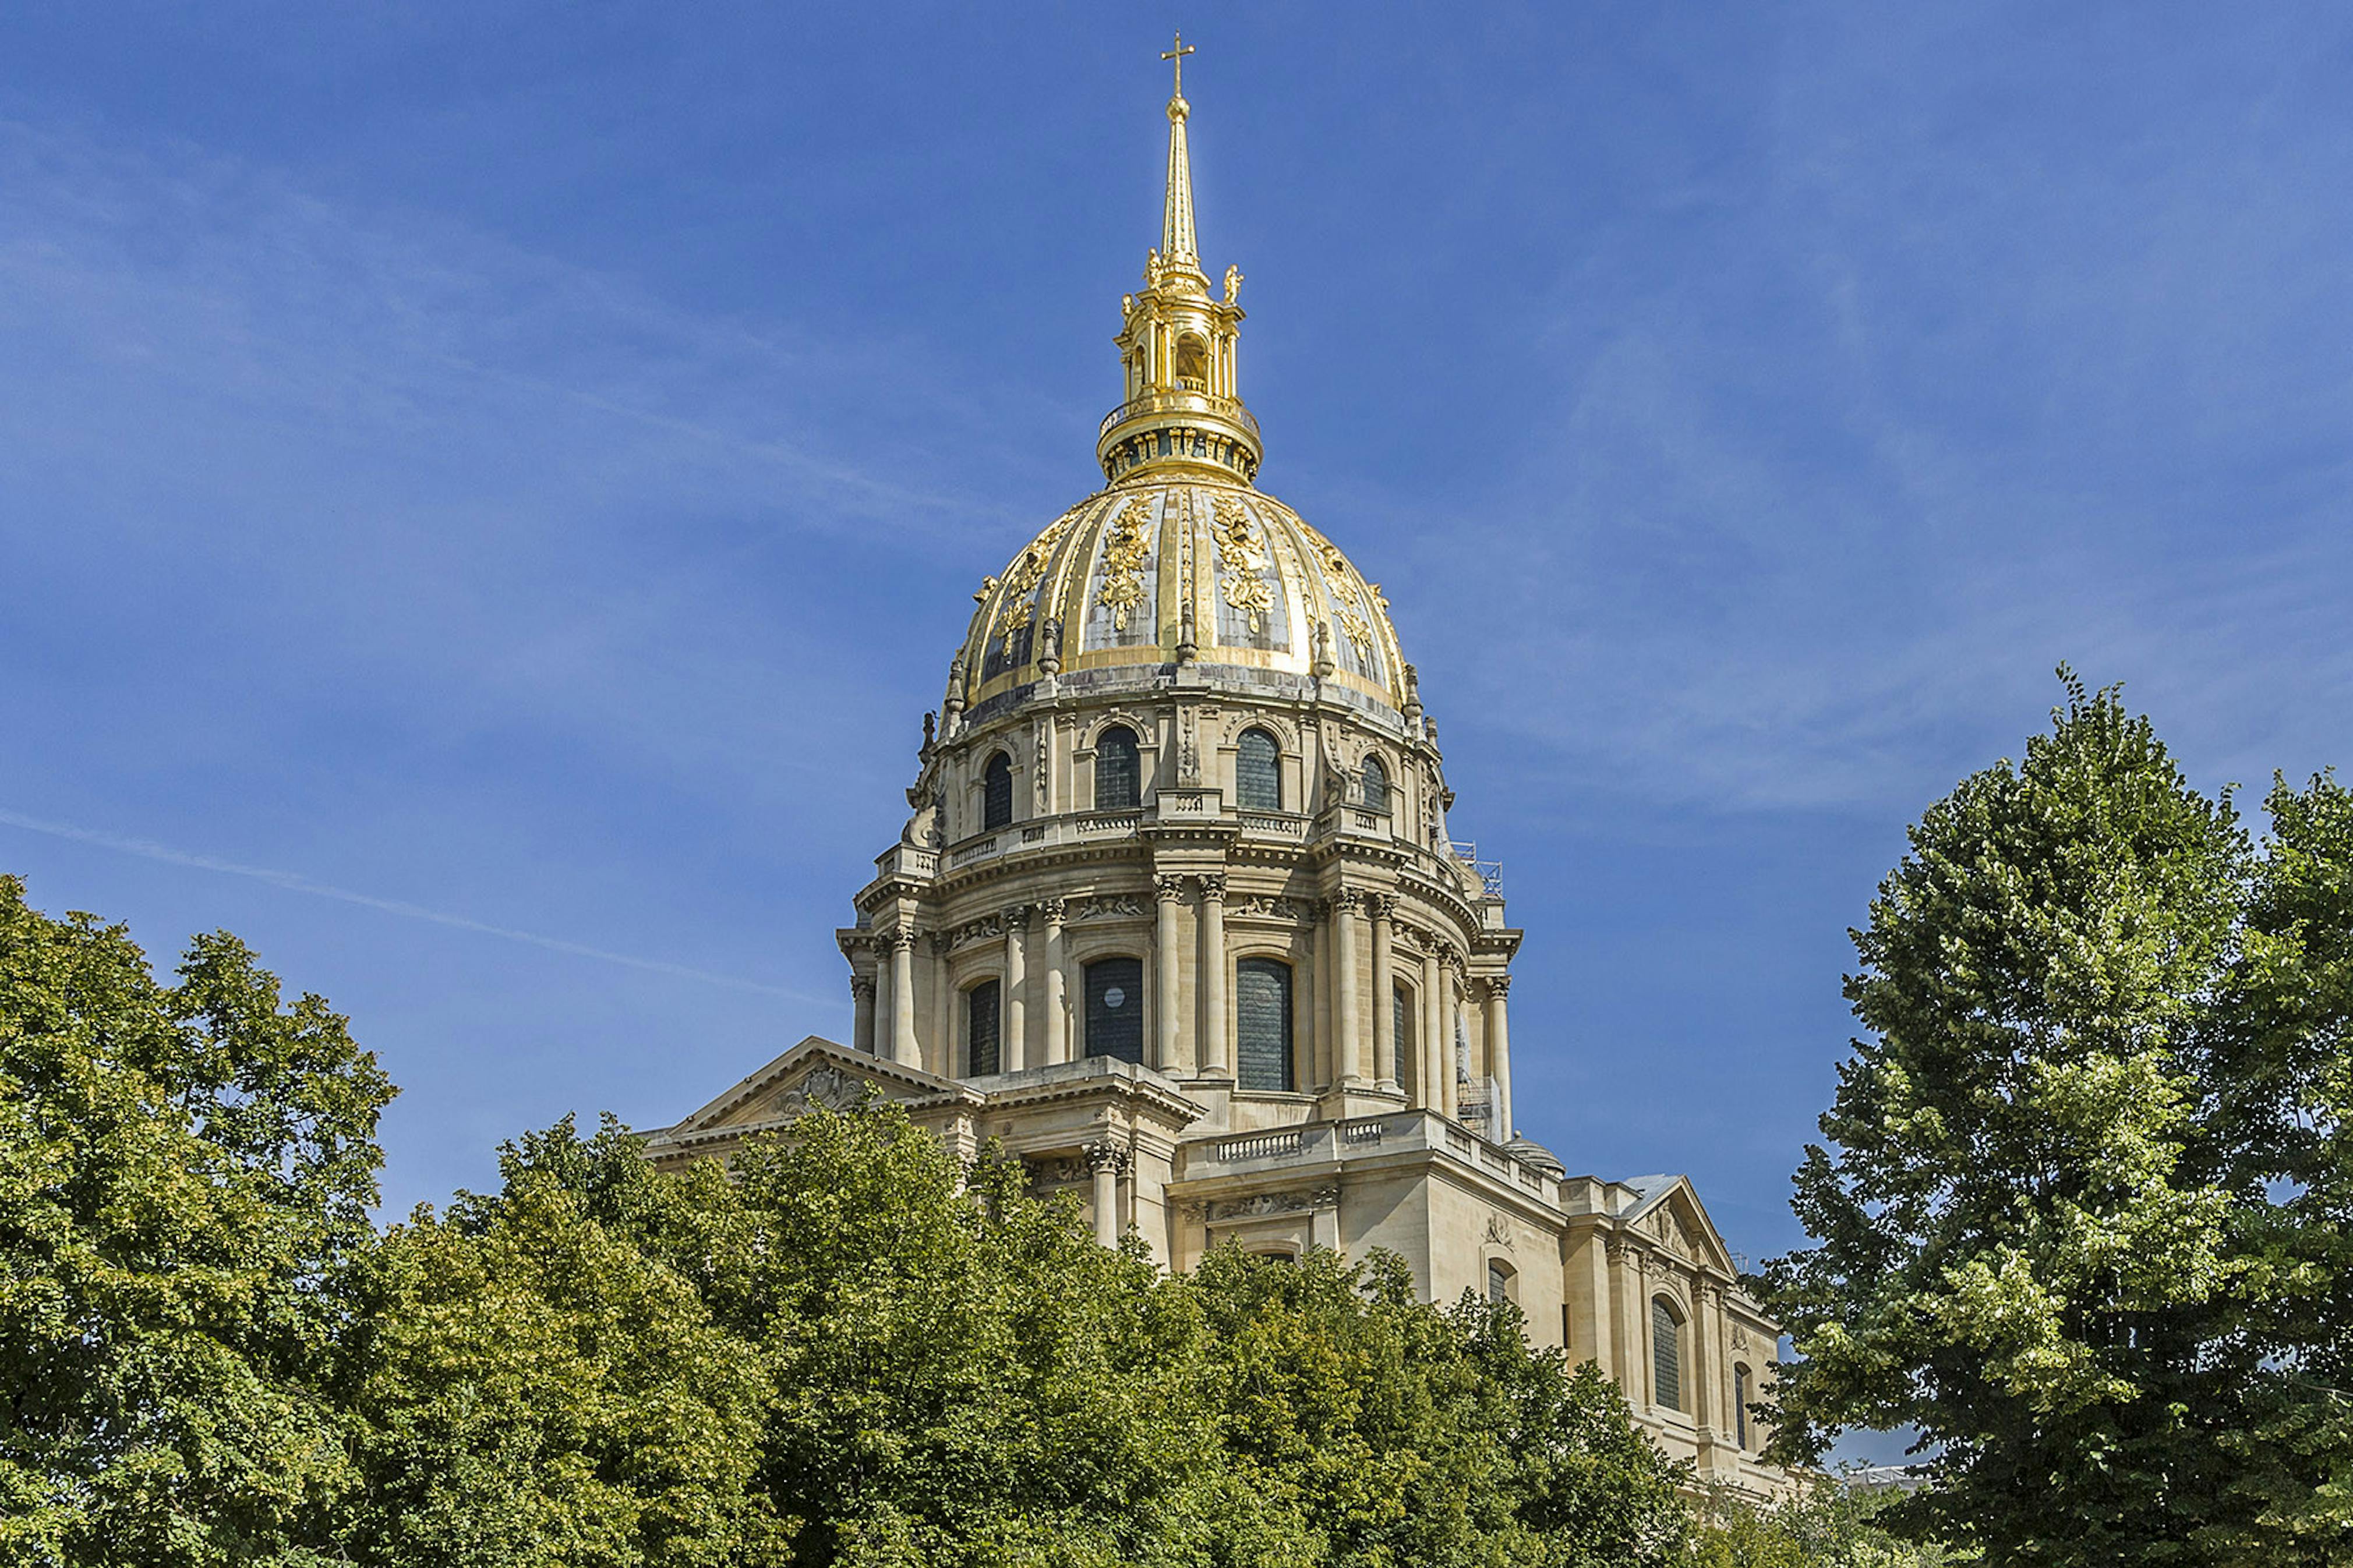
[1666, 1354]
[1376, 784]
[997, 793]
[1116, 1008]
[1409, 1060]
[1258, 772]
[1117, 777]
[984, 1028]
[1498, 1282]
[1263, 1011]
[1740, 1407]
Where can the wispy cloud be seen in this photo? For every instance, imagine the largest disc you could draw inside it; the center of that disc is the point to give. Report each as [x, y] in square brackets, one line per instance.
[294, 882]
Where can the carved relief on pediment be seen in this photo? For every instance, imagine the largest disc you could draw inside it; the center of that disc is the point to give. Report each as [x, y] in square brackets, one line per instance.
[826, 1084]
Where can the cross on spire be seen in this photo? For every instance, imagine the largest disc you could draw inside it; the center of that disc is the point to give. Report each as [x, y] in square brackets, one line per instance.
[1177, 54]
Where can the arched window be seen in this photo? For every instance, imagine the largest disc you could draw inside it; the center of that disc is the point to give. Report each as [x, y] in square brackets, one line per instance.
[1741, 1392]
[1116, 1008]
[1408, 1055]
[1262, 1013]
[1666, 1354]
[1258, 772]
[1118, 785]
[1376, 784]
[1192, 364]
[997, 793]
[984, 1029]
[1499, 1281]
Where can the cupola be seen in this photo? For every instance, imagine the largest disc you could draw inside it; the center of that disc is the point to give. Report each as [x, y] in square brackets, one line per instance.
[1180, 409]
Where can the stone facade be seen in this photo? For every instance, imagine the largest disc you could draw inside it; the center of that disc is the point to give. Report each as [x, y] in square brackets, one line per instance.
[1176, 918]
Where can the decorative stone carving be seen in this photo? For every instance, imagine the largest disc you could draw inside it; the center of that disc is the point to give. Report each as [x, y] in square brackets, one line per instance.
[1384, 907]
[1057, 1172]
[1111, 906]
[1106, 1156]
[1052, 910]
[1167, 887]
[1498, 984]
[899, 938]
[828, 1086]
[1213, 886]
[1499, 1232]
[1258, 1205]
[988, 927]
[861, 987]
[1349, 900]
[1017, 916]
[1271, 908]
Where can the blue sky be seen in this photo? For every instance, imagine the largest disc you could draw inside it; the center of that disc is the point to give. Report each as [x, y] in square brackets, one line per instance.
[528, 466]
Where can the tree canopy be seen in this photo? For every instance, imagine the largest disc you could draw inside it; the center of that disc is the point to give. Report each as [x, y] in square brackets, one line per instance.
[2083, 1224]
[847, 1350]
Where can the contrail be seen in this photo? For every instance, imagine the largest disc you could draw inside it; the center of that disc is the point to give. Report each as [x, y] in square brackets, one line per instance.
[294, 882]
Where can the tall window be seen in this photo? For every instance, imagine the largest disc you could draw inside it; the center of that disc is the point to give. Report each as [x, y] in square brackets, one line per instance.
[984, 1029]
[1409, 1059]
[1666, 1354]
[1262, 1013]
[1117, 774]
[1116, 1008]
[1376, 784]
[1258, 772]
[1740, 1395]
[997, 793]
[1499, 1281]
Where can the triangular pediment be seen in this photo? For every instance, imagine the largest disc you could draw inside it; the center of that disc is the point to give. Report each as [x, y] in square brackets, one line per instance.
[817, 1071]
[1670, 1213]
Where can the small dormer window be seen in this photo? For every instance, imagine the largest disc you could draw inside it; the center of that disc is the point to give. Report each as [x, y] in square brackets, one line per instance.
[1376, 784]
[1258, 772]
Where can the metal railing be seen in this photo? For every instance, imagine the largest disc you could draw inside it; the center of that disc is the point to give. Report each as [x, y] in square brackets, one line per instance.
[1181, 403]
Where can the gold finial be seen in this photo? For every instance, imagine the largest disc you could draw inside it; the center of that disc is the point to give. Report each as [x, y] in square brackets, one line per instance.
[1177, 54]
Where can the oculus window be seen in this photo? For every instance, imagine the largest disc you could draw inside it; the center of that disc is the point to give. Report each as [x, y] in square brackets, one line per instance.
[1258, 772]
[1116, 1008]
[1118, 775]
[1263, 1016]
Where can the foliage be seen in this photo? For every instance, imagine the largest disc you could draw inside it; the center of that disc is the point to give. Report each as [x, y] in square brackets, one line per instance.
[1827, 1526]
[2103, 1037]
[847, 1348]
[185, 1177]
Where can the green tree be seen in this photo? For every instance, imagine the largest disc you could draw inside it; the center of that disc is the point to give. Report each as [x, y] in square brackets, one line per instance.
[2281, 1065]
[185, 1171]
[1826, 1526]
[530, 1381]
[2027, 1242]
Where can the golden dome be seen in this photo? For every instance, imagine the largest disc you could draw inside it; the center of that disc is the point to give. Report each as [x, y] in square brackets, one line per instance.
[1175, 572]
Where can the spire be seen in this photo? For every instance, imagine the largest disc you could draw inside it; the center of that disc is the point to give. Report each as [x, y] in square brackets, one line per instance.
[1182, 410]
[1178, 246]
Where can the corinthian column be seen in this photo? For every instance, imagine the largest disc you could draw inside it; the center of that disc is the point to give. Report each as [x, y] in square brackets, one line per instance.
[861, 1013]
[1166, 891]
[1211, 1036]
[1017, 977]
[1499, 1055]
[1105, 1161]
[902, 997]
[1350, 1065]
[1385, 1061]
[1435, 1073]
[1058, 1010]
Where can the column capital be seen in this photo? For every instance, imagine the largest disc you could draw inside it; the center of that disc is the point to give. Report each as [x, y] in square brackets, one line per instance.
[1498, 986]
[898, 938]
[861, 987]
[1168, 886]
[1105, 1155]
[1213, 886]
[1052, 909]
[1347, 901]
[1016, 917]
[1383, 905]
